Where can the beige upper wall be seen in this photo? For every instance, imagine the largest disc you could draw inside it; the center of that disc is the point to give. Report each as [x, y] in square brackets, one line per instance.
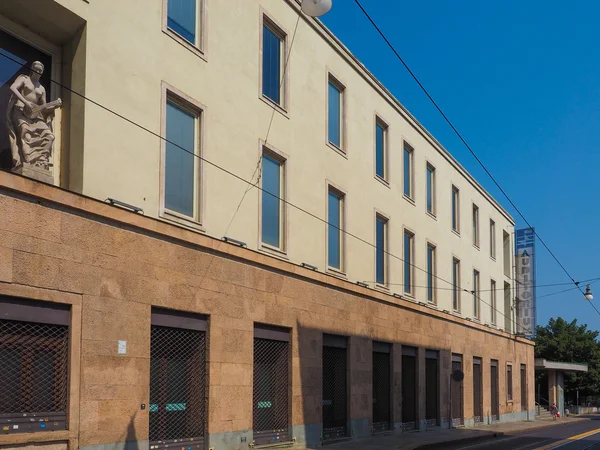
[129, 57]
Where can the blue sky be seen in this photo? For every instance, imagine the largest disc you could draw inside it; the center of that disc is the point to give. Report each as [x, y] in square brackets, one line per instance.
[521, 81]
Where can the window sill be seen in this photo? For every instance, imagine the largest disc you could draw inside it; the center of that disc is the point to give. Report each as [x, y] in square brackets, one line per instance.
[493, 258]
[185, 43]
[336, 273]
[277, 107]
[456, 232]
[477, 247]
[409, 200]
[337, 149]
[432, 215]
[382, 287]
[383, 181]
[456, 313]
[273, 251]
[179, 219]
[431, 304]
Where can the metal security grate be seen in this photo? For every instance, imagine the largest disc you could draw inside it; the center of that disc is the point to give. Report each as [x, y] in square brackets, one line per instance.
[177, 386]
[34, 376]
[409, 392]
[271, 391]
[495, 397]
[432, 380]
[477, 391]
[523, 387]
[334, 393]
[381, 392]
[457, 393]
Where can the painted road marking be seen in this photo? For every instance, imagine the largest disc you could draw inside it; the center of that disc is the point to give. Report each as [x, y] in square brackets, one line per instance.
[576, 437]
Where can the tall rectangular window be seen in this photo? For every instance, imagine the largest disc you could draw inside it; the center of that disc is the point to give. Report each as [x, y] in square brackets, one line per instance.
[492, 239]
[335, 112]
[455, 209]
[408, 177]
[476, 292]
[181, 163]
[335, 204]
[475, 225]
[272, 205]
[431, 273]
[493, 301]
[409, 239]
[182, 18]
[273, 41]
[509, 383]
[506, 253]
[455, 284]
[381, 250]
[380, 149]
[430, 189]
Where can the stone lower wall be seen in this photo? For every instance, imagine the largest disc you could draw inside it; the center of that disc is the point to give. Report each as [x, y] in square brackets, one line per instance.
[114, 266]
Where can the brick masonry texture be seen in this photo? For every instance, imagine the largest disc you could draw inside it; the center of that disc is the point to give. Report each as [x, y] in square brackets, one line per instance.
[113, 266]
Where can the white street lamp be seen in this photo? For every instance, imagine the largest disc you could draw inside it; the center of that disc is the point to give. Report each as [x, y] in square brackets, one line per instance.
[588, 293]
[316, 8]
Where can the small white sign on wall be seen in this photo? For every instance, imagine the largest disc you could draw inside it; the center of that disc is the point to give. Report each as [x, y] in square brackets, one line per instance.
[122, 348]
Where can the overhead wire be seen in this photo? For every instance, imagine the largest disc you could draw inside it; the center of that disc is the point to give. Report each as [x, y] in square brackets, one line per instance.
[465, 143]
[251, 184]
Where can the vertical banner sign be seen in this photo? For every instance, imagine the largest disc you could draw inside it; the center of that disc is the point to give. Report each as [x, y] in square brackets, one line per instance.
[525, 278]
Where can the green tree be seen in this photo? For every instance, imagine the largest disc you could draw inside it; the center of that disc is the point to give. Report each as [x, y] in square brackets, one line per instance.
[569, 342]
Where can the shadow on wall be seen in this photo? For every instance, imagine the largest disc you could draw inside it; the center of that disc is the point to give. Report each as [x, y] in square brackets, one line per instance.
[131, 442]
[350, 385]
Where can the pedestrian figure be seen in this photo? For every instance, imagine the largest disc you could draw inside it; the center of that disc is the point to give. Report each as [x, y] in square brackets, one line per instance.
[554, 411]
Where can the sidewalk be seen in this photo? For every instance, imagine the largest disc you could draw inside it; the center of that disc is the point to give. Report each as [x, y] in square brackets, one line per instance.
[426, 439]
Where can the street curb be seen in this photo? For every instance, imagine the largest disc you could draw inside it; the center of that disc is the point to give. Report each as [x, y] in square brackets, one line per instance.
[492, 435]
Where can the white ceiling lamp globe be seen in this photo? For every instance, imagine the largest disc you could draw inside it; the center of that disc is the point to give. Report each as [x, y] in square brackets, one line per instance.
[316, 8]
[588, 293]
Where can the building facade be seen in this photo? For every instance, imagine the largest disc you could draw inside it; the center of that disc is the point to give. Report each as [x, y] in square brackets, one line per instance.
[362, 265]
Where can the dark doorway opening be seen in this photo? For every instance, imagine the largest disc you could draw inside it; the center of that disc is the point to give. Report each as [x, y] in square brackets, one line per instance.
[457, 392]
[495, 394]
[477, 391]
[409, 389]
[382, 364]
[335, 395]
[432, 388]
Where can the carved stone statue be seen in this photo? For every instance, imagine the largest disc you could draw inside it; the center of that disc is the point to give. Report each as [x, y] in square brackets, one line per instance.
[29, 121]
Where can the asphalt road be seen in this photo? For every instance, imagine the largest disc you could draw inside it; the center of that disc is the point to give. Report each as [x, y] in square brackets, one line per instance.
[577, 436]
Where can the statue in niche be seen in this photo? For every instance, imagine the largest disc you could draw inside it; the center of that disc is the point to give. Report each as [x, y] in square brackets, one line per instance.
[29, 121]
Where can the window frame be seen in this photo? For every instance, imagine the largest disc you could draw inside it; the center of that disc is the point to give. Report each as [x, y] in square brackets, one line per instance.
[456, 287]
[386, 222]
[509, 383]
[410, 150]
[283, 160]
[476, 294]
[334, 189]
[407, 232]
[378, 121]
[199, 47]
[431, 246]
[455, 209]
[430, 168]
[284, 70]
[493, 239]
[476, 227]
[335, 81]
[170, 94]
[493, 301]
